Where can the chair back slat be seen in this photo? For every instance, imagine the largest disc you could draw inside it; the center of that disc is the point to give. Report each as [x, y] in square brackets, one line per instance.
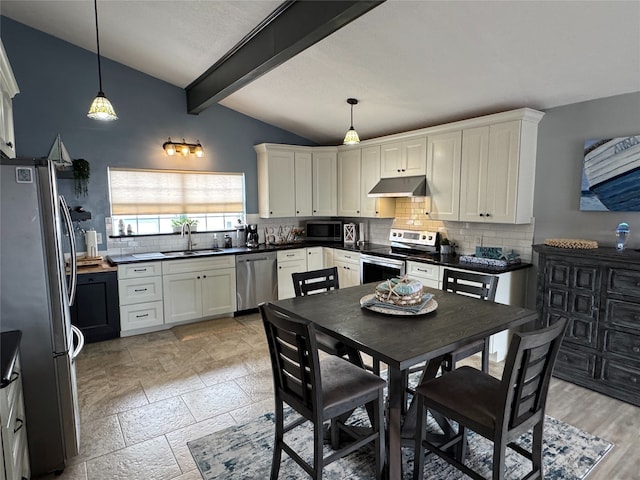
[315, 281]
[528, 371]
[470, 284]
[294, 357]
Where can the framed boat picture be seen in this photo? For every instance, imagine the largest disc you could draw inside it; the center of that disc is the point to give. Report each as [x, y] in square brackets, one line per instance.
[611, 175]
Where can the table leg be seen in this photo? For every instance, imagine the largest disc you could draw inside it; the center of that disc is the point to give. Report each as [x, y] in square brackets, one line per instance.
[394, 426]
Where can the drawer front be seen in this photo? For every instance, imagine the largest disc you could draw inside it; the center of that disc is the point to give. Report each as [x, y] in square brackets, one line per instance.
[621, 376]
[137, 290]
[141, 315]
[622, 343]
[624, 282]
[198, 264]
[423, 270]
[137, 270]
[623, 314]
[346, 257]
[289, 255]
[574, 362]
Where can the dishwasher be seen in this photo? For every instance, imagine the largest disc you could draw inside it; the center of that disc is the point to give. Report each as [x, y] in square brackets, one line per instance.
[256, 279]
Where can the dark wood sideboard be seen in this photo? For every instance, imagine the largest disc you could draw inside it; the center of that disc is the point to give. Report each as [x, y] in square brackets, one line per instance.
[599, 292]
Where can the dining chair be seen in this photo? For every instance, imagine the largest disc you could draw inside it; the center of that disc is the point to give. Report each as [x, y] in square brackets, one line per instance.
[323, 280]
[474, 285]
[499, 410]
[319, 391]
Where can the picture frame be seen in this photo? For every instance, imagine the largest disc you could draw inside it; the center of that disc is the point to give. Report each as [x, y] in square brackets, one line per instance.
[24, 175]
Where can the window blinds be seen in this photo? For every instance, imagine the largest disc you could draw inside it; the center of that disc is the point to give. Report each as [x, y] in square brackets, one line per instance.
[157, 192]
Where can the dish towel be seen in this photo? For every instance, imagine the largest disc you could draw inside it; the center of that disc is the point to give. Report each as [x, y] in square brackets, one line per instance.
[374, 302]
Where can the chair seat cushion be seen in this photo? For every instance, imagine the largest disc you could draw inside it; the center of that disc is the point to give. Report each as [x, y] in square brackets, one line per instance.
[465, 393]
[346, 386]
[330, 344]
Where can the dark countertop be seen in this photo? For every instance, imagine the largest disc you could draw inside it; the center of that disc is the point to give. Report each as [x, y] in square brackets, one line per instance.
[628, 255]
[370, 248]
[9, 347]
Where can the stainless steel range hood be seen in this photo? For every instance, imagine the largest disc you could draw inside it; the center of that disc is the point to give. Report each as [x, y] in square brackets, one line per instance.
[415, 186]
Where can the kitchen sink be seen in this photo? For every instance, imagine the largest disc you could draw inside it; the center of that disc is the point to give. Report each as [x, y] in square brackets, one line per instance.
[192, 253]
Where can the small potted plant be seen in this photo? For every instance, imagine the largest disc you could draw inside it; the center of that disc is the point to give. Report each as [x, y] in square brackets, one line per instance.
[446, 247]
[180, 220]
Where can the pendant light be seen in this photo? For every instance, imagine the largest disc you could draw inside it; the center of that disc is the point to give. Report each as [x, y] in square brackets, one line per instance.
[351, 138]
[101, 108]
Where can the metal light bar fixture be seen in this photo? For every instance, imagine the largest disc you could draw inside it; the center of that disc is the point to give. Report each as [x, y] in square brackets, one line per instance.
[183, 148]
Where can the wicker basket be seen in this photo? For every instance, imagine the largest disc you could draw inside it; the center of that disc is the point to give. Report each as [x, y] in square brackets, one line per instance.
[570, 243]
[402, 300]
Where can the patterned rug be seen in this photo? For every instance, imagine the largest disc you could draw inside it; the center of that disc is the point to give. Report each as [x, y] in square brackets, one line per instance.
[244, 452]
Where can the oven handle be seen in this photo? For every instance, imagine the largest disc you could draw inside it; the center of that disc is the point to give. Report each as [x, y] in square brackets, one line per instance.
[383, 261]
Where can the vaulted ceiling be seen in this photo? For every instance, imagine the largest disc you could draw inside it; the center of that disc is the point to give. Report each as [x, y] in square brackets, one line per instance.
[410, 64]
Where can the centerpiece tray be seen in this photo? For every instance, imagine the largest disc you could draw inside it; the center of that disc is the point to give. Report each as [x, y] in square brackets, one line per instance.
[396, 310]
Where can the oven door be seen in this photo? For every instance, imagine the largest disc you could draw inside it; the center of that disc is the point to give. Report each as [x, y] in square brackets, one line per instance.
[377, 269]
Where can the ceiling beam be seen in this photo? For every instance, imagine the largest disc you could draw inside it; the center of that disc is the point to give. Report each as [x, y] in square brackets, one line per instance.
[291, 28]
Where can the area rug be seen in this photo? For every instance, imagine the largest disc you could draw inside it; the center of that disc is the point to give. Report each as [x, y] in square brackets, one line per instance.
[244, 452]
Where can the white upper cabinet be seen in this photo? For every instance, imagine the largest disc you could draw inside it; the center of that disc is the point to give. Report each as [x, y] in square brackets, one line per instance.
[443, 175]
[404, 158]
[276, 182]
[349, 173]
[372, 207]
[325, 181]
[497, 172]
[303, 183]
[8, 90]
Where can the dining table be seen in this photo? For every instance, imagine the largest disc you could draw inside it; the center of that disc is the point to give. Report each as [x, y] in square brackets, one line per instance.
[401, 339]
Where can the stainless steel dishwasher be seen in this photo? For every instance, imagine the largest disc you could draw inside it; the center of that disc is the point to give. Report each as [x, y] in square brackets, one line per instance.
[256, 279]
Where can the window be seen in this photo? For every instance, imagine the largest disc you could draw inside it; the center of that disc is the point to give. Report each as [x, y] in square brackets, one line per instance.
[150, 199]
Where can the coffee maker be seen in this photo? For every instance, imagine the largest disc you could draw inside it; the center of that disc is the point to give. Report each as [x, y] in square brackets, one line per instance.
[252, 236]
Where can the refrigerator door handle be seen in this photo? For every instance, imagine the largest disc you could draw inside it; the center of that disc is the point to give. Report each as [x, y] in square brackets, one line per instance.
[73, 278]
[76, 351]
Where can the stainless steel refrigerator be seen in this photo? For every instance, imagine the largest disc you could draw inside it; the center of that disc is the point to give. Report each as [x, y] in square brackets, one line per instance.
[35, 294]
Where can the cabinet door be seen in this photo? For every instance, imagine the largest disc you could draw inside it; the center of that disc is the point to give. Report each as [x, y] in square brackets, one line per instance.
[285, 281]
[349, 183]
[325, 183]
[327, 257]
[391, 162]
[502, 181]
[443, 175]
[373, 207]
[415, 156]
[303, 184]
[348, 274]
[218, 291]
[182, 297]
[315, 260]
[473, 173]
[276, 180]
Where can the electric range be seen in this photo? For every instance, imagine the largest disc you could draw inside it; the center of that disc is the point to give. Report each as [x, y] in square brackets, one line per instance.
[381, 264]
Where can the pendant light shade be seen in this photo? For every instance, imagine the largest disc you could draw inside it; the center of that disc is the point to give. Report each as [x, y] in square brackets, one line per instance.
[101, 108]
[351, 138]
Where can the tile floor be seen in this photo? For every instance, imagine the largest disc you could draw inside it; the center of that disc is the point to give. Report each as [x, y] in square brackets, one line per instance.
[143, 398]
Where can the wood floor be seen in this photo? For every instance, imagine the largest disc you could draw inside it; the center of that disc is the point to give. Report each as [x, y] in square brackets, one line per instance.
[142, 398]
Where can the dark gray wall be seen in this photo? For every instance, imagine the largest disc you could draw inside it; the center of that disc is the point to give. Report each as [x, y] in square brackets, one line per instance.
[561, 136]
[57, 83]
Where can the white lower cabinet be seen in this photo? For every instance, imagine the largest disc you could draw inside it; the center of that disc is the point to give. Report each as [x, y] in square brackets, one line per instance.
[140, 296]
[13, 429]
[426, 273]
[315, 259]
[290, 261]
[348, 264]
[200, 288]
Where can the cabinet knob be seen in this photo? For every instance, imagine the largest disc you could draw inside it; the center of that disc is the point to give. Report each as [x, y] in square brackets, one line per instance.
[9, 144]
[482, 214]
[357, 211]
[198, 277]
[19, 424]
[297, 211]
[314, 211]
[204, 276]
[398, 170]
[403, 169]
[487, 214]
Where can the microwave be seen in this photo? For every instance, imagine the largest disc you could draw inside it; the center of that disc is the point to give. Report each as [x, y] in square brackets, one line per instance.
[323, 231]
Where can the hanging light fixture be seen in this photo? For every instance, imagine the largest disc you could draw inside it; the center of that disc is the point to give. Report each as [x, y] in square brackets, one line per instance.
[351, 138]
[101, 108]
[184, 148]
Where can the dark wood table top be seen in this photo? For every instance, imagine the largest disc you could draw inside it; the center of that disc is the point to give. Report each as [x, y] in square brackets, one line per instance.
[403, 341]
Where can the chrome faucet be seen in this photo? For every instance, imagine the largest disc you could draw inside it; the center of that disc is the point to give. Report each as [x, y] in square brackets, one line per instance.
[187, 226]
